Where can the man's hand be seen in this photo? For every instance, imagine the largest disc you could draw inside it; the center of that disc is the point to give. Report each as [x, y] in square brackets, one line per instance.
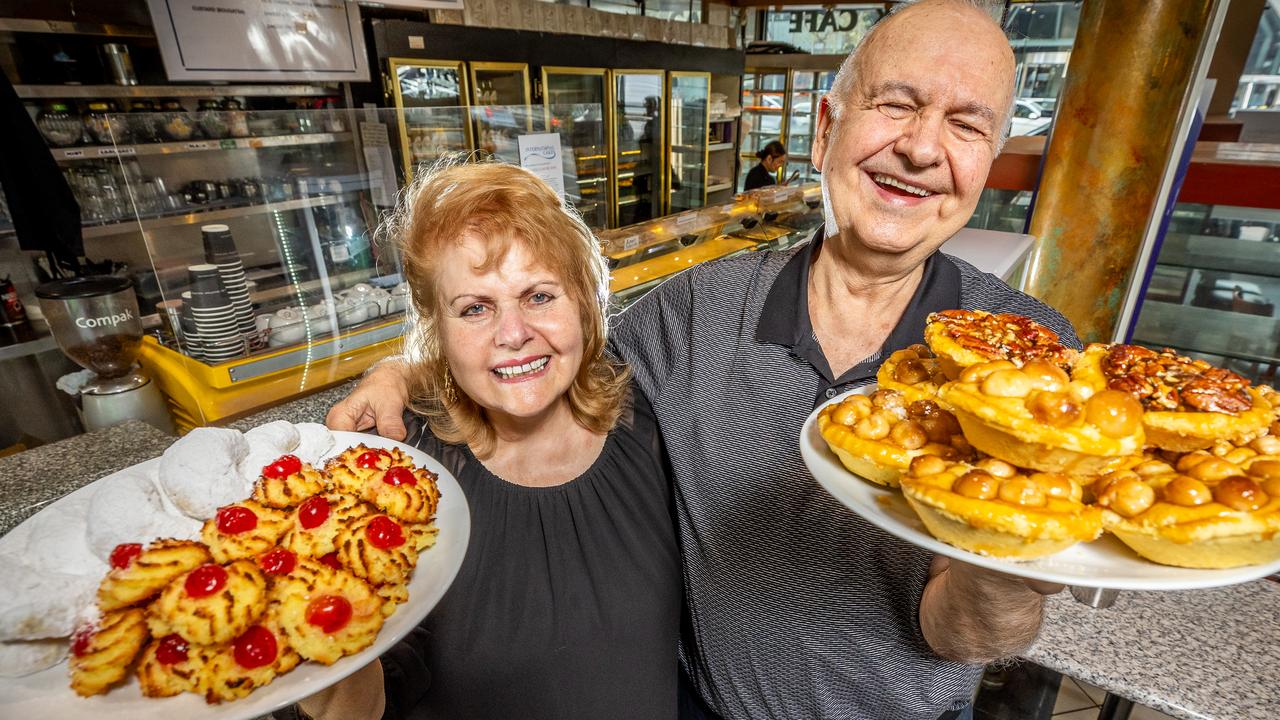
[377, 402]
[358, 697]
[974, 615]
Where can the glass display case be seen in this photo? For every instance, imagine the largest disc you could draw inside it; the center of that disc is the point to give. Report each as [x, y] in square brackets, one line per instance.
[1214, 289]
[688, 122]
[764, 99]
[575, 106]
[645, 254]
[498, 91]
[807, 89]
[638, 142]
[252, 257]
[432, 99]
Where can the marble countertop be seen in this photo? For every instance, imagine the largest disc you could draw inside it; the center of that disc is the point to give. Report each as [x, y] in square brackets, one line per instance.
[1198, 654]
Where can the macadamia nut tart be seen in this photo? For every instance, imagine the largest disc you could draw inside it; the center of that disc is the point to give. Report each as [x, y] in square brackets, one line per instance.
[915, 372]
[992, 508]
[1188, 403]
[876, 436]
[961, 338]
[1034, 416]
[1206, 509]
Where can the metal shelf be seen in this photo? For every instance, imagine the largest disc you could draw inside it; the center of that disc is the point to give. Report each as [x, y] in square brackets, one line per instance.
[190, 218]
[171, 148]
[39, 92]
[721, 186]
[720, 146]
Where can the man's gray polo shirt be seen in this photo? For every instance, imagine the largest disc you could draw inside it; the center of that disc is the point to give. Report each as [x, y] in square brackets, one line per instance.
[795, 607]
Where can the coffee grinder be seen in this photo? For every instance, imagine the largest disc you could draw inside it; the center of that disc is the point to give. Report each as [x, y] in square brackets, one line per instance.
[95, 322]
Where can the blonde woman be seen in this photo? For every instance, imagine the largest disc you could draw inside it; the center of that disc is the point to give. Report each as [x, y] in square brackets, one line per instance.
[568, 600]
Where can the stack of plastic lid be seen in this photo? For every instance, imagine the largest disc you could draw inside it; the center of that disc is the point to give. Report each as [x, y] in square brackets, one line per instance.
[220, 251]
[215, 316]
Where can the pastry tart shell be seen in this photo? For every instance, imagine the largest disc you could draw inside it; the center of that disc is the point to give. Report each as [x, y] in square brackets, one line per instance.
[879, 462]
[885, 378]
[1234, 540]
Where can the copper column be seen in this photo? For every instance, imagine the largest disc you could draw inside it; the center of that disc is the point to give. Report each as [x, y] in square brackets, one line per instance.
[1130, 68]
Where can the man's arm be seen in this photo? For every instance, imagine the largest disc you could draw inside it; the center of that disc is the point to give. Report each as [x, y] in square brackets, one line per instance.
[973, 615]
[378, 401]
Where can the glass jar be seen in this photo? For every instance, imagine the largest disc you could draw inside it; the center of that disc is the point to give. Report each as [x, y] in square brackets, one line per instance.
[213, 123]
[58, 125]
[175, 122]
[236, 118]
[144, 121]
[105, 125]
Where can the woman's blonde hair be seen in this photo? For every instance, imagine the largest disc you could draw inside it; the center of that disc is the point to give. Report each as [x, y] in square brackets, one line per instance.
[501, 204]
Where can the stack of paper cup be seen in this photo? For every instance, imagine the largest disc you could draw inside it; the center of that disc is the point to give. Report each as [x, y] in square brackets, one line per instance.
[215, 316]
[220, 250]
[191, 344]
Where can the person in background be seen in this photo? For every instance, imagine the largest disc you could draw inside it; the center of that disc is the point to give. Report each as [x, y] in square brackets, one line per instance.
[772, 157]
[568, 600]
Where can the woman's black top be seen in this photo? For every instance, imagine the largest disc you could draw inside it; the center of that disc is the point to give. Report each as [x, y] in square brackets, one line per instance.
[568, 601]
[758, 177]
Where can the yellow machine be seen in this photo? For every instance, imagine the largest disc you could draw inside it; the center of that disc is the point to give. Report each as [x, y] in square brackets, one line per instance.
[201, 394]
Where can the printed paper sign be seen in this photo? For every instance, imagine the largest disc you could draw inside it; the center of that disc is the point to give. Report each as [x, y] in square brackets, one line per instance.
[540, 154]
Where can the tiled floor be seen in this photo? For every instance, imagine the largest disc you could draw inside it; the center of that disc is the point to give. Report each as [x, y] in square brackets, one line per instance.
[1081, 701]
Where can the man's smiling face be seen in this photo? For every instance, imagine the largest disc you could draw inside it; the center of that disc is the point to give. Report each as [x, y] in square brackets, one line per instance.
[904, 164]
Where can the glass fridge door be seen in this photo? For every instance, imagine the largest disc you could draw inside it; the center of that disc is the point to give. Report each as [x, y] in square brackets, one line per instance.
[638, 126]
[807, 89]
[574, 101]
[498, 92]
[431, 97]
[688, 120]
[764, 96]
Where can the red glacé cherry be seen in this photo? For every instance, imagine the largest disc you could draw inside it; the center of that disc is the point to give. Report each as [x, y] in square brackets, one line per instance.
[331, 559]
[278, 562]
[123, 554]
[369, 460]
[330, 613]
[205, 580]
[283, 467]
[255, 648]
[171, 650]
[236, 519]
[385, 533]
[313, 512]
[80, 641]
[399, 476]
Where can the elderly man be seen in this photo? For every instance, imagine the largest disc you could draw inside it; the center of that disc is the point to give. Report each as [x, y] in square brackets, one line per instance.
[796, 607]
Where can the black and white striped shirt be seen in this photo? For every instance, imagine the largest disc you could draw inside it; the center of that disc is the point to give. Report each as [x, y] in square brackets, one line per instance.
[796, 608]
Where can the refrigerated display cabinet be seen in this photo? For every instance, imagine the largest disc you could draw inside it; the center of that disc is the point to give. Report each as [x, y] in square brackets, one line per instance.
[689, 123]
[575, 104]
[807, 89]
[764, 101]
[431, 97]
[498, 90]
[639, 161]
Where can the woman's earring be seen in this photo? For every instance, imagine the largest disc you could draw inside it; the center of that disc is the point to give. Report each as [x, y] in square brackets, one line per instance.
[450, 395]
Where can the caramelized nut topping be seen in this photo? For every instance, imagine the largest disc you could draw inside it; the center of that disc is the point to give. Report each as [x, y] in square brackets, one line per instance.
[926, 465]
[1020, 490]
[924, 409]
[1192, 459]
[1166, 380]
[1127, 496]
[1003, 335]
[1115, 413]
[1057, 485]
[910, 372]
[999, 468]
[976, 484]
[1266, 445]
[1054, 408]
[1268, 469]
[1045, 375]
[888, 399]
[1212, 470]
[908, 435]
[1186, 491]
[1240, 493]
[978, 373]
[1007, 384]
[1149, 468]
[872, 427]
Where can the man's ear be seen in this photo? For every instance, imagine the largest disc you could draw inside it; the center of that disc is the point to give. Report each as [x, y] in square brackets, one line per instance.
[820, 138]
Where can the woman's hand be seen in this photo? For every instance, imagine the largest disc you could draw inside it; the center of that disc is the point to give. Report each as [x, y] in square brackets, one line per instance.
[358, 697]
[377, 402]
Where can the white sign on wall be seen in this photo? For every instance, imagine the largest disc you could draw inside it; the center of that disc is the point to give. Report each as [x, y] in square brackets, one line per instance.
[540, 154]
[260, 40]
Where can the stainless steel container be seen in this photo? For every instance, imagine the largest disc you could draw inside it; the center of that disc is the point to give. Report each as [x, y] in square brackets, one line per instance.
[116, 56]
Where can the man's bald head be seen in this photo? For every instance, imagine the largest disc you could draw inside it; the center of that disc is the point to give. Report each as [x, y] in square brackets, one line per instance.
[972, 22]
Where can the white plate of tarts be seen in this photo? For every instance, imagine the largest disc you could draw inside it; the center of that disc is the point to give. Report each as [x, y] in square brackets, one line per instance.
[1118, 467]
[285, 593]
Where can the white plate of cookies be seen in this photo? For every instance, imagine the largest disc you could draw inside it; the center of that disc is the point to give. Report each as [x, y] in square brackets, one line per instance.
[243, 596]
[1118, 467]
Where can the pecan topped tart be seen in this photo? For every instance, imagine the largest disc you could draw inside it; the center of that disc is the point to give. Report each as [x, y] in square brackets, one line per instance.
[961, 338]
[1187, 403]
